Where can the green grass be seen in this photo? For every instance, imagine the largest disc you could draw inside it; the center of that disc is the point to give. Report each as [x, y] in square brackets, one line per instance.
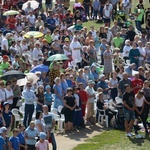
[114, 140]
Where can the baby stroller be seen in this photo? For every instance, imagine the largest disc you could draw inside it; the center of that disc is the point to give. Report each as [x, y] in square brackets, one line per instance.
[80, 7]
[119, 122]
[122, 19]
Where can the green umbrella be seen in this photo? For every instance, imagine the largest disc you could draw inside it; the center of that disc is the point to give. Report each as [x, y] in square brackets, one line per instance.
[57, 57]
[10, 12]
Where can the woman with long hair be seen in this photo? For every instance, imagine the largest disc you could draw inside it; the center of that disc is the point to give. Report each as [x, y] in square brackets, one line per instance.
[40, 98]
[70, 104]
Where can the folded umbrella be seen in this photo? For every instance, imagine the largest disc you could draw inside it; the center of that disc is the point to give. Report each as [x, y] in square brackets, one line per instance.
[41, 68]
[12, 74]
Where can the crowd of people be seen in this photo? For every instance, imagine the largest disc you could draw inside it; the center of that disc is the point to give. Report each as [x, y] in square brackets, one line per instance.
[102, 65]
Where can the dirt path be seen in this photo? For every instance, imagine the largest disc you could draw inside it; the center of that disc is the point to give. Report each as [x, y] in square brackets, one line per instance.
[68, 142]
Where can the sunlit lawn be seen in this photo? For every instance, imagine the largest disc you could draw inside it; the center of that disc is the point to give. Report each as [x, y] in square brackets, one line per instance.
[114, 140]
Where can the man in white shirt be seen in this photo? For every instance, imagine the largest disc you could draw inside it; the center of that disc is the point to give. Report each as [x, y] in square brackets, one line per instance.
[4, 45]
[126, 4]
[142, 54]
[31, 21]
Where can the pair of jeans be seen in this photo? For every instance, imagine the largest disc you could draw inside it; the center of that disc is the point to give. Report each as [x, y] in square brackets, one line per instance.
[53, 141]
[138, 25]
[29, 109]
[87, 9]
[95, 14]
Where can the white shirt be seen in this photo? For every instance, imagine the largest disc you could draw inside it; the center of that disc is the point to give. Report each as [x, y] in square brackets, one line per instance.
[126, 3]
[36, 53]
[139, 102]
[109, 37]
[31, 19]
[93, 33]
[8, 94]
[90, 91]
[77, 101]
[113, 82]
[2, 95]
[66, 52]
[4, 42]
[126, 50]
[142, 52]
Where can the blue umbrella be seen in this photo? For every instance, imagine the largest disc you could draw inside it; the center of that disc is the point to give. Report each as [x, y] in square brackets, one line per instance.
[41, 68]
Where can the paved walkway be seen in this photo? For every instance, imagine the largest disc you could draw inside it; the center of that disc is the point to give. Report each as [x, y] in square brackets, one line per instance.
[68, 142]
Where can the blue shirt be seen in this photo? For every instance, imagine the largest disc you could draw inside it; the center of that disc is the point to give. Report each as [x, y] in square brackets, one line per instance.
[31, 133]
[15, 142]
[97, 42]
[29, 96]
[48, 96]
[50, 21]
[103, 85]
[69, 82]
[102, 48]
[59, 90]
[64, 86]
[7, 118]
[2, 142]
[82, 80]
[21, 138]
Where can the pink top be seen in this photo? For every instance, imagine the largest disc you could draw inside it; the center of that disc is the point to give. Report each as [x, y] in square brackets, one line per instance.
[42, 146]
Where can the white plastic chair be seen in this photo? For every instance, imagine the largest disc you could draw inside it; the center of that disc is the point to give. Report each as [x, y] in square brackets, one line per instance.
[61, 119]
[16, 114]
[21, 109]
[101, 116]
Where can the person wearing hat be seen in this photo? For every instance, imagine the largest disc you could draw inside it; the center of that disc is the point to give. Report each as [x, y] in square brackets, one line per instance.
[104, 85]
[39, 23]
[37, 53]
[48, 37]
[42, 144]
[5, 66]
[90, 102]
[29, 97]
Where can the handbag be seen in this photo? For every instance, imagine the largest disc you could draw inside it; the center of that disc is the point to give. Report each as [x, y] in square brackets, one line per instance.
[63, 110]
[19, 103]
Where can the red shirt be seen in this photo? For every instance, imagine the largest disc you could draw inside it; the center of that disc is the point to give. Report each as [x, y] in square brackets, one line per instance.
[136, 82]
[83, 95]
[11, 22]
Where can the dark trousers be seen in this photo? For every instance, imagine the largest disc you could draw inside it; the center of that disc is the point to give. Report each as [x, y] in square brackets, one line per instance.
[138, 25]
[87, 9]
[29, 109]
[31, 147]
[53, 141]
[77, 118]
[114, 93]
[15, 100]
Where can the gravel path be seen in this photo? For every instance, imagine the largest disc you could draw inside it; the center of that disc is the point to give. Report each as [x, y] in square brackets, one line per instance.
[68, 142]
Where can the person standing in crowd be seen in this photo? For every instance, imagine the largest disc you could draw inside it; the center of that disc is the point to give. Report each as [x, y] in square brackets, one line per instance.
[8, 117]
[30, 135]
[40, 98]
[129, 105]
[21, 137]
[50, 129]
[2, 142]
[70, 104]
[90, 102]
[42, 144]
[122, 83]
[14, 140]
[29, 97]
[139, 112]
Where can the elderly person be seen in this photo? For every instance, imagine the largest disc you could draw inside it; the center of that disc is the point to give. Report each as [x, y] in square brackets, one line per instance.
[90, 102]
[59, 93]
[102, 84]
[37, 53]
[30, 133]
[126, 50]
[29, 97]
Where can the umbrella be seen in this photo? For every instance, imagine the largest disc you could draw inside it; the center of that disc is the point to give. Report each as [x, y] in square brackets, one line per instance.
[13, 74]
[35, 34]
[41, 68]
[57, 57]
[10, 12]
[34, 5]
[29, 76]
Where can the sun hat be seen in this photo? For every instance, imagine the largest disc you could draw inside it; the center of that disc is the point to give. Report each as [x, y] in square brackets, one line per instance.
[90, 82]
[67, 39]
[3, 129]
[47, 87]
[5, 103]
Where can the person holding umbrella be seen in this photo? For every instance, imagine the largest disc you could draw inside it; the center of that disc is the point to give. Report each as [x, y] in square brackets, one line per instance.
[29, 97]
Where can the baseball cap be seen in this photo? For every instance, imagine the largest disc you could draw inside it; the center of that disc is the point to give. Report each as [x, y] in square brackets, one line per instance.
[5, 57]
[5, 103]
[3, 129]
[42, 136]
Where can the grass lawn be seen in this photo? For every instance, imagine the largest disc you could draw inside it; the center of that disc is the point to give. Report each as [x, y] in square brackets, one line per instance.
[114, 140]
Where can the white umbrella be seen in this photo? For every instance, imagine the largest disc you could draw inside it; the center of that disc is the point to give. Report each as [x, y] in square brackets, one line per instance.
[34, 4]
[30, 76]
